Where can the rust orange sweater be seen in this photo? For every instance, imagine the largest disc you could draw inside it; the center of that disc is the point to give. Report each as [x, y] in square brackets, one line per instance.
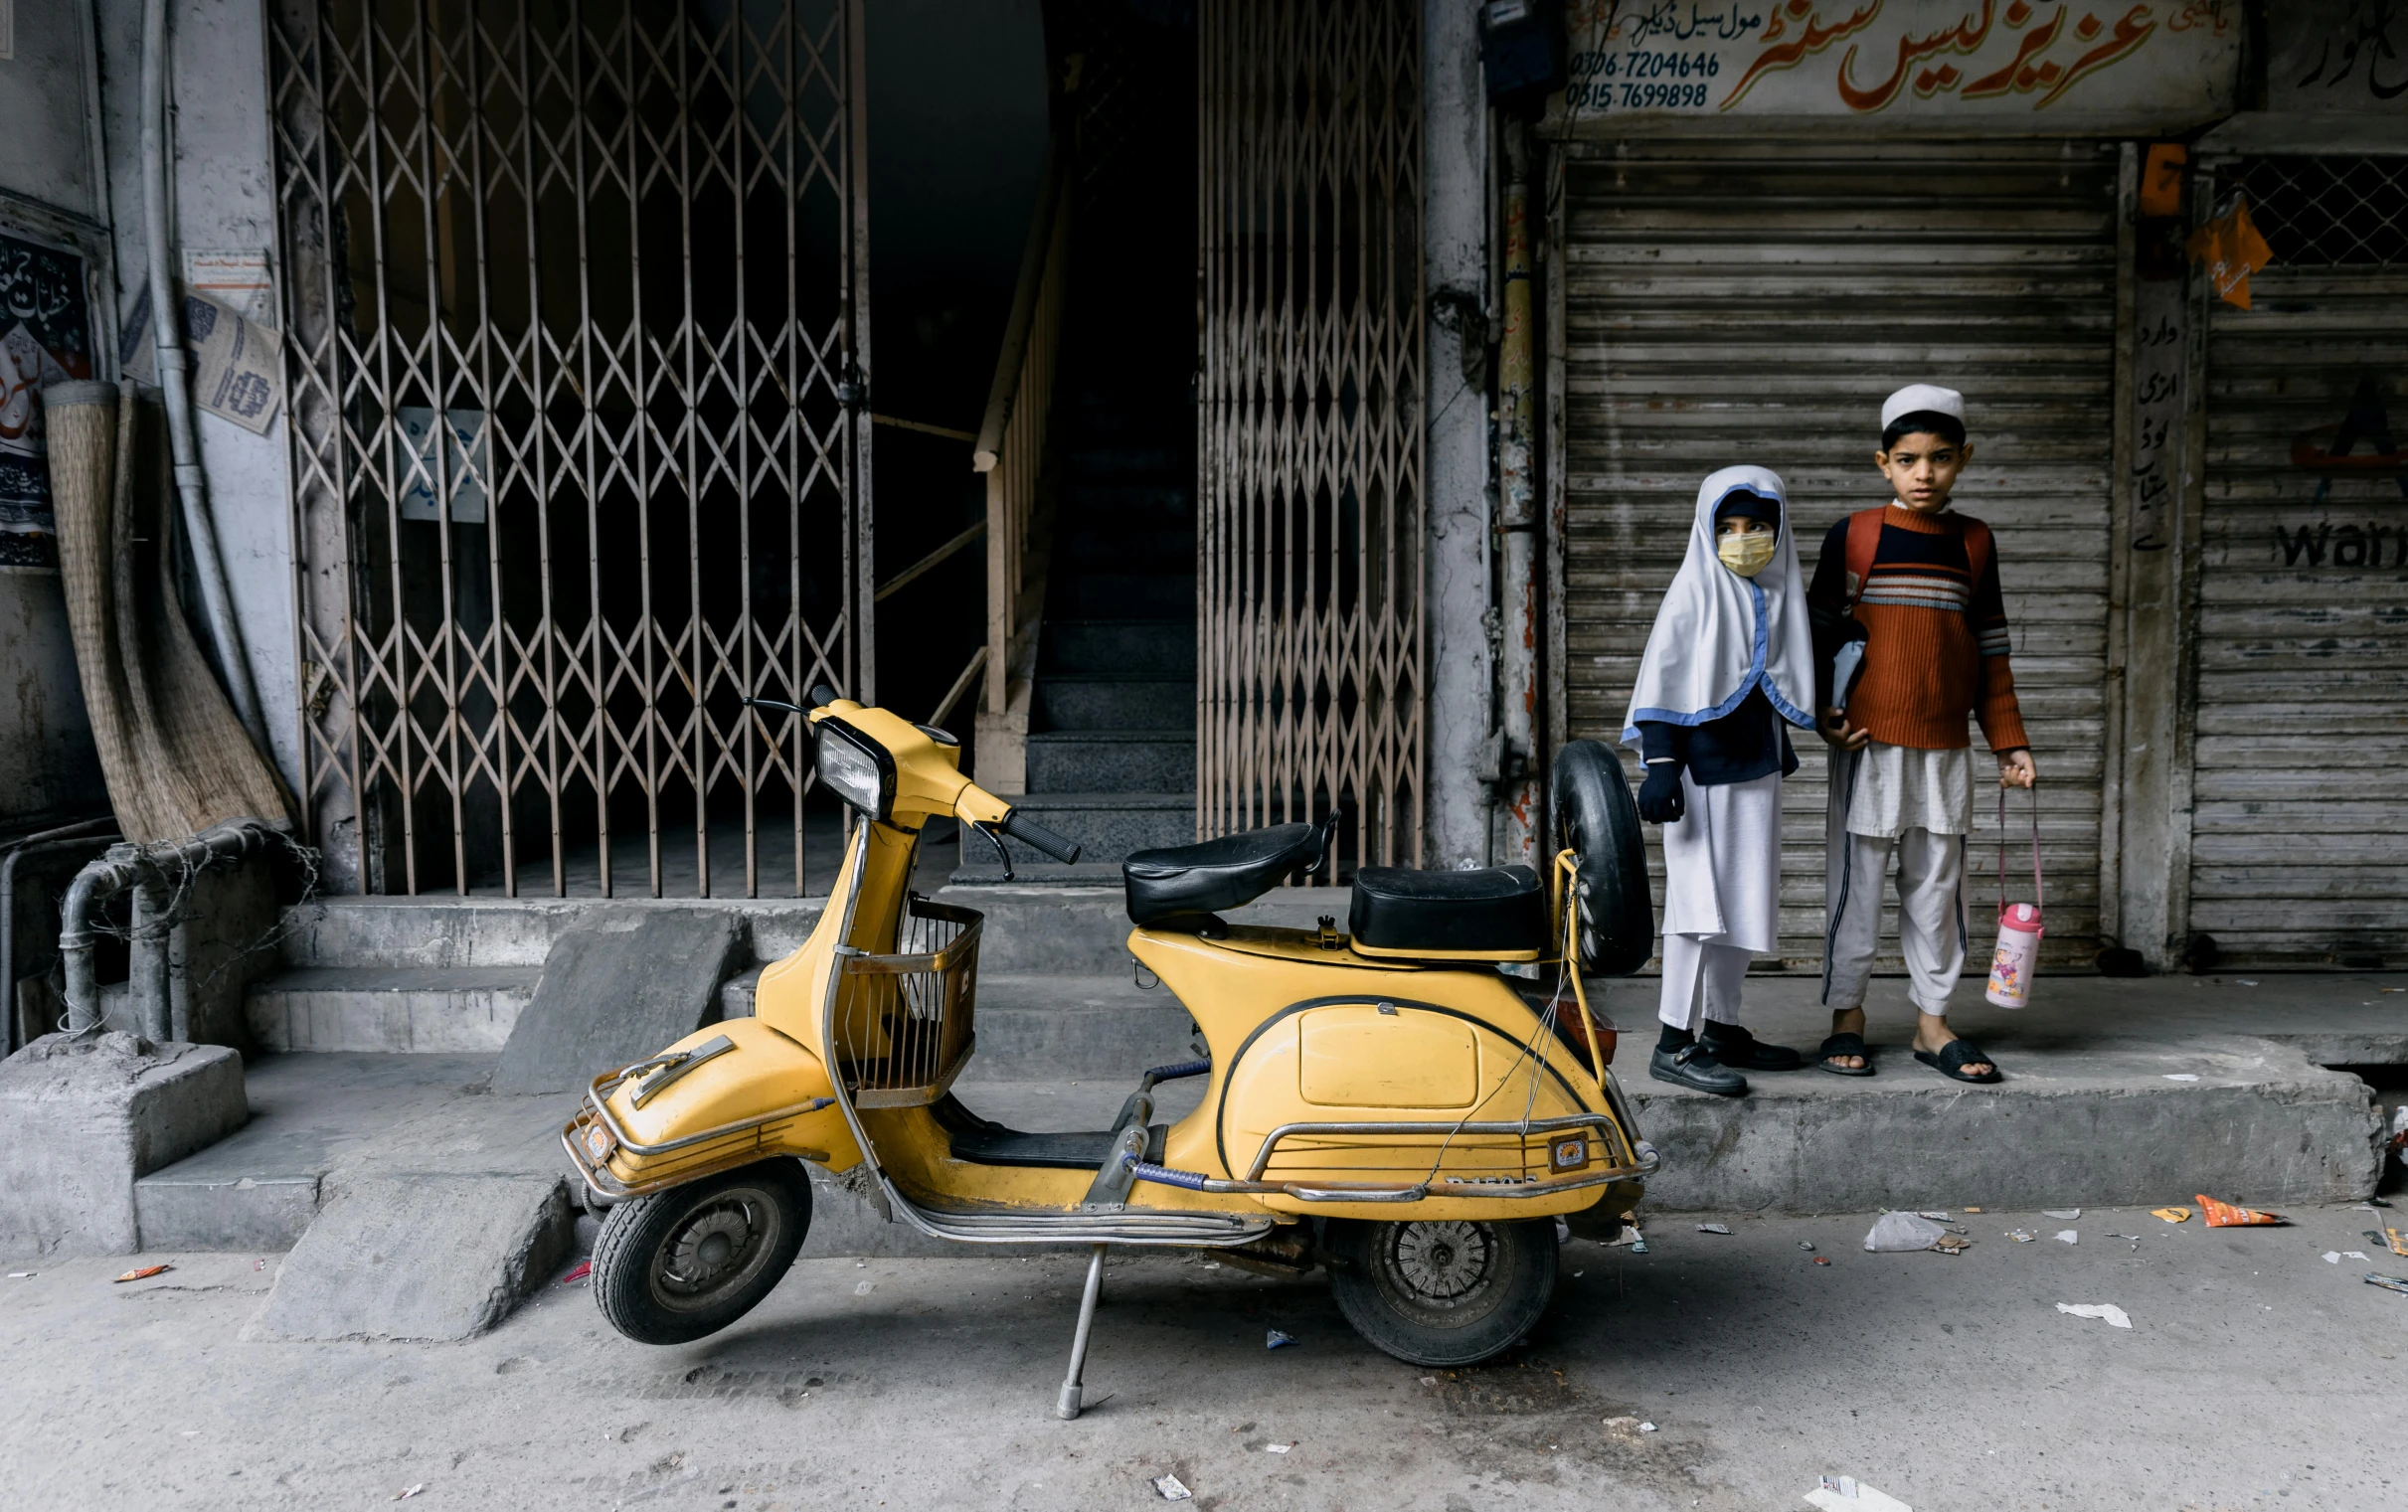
[1937, 640]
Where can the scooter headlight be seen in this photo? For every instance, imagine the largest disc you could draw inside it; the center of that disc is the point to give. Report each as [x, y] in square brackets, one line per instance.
[857, 768]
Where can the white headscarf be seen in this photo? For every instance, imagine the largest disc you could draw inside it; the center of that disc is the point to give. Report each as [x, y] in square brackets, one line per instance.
[1719, 634]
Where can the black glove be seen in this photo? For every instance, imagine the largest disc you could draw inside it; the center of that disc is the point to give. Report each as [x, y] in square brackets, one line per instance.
[1659, 799]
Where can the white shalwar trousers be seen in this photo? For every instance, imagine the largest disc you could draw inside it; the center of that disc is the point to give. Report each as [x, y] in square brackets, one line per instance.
[1931, 907]
[1722, 895]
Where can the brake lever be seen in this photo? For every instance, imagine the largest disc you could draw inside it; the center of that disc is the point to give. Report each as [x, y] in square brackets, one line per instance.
[995, 840]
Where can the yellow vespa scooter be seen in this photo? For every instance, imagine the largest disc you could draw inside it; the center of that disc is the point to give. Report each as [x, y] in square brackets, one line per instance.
[1386, 1102]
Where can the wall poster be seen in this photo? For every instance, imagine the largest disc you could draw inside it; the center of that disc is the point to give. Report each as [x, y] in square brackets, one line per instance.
[45, 337]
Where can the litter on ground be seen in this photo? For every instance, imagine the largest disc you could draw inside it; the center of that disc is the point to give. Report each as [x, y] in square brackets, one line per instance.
[1973, 1209]
[1646, 1427]
[2387, 1282]
[18, 1276]
[409, 1491]
[2171, 1215]
[1842, 1493]
[2356, 1254]
[1172, 1488]
[583, 1269]
[2181, 1076]
[2069, 1235]
[1276, 1449]
[1713, 1228]
[1952, 1243]
[145, 1272]
[2226, 1215]
[2060, 1212]
[2332, 1257]
[1937, 1215]
[2107, 1312]
[2390, 1239]
[1273, 1339]
[1898, 1233]
[1806, 1245]
[2021, 1235]
[1822, 1261]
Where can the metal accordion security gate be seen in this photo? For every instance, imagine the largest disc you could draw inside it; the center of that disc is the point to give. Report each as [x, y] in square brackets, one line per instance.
[1309, 644]
[575, 349]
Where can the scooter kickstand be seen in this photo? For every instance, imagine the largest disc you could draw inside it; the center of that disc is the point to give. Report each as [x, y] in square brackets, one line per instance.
[1072, 1403]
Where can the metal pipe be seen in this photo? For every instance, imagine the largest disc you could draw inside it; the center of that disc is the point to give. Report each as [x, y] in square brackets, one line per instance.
[160, 862]
[1518, 763]
[217, 599]
[48, 841]
[150, 990]
[1071, 1401]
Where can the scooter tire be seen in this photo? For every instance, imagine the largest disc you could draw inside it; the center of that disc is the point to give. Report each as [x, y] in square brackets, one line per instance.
[673, 1267]
[1443, 1292]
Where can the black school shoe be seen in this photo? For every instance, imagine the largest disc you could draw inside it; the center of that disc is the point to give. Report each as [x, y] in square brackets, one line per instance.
[1733, 1046]
[1695, 1067]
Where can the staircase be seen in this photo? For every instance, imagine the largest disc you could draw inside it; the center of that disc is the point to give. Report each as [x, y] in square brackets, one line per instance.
[1111, 748]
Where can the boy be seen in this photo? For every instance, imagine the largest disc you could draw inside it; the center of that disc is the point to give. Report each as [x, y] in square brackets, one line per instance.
[1915, 586]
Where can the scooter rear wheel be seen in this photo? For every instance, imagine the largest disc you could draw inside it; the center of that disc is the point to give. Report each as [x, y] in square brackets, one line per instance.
[1443, 1292]
[672, 1266]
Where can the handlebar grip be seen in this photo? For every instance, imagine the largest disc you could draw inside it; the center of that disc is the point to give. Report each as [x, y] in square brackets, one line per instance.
[821, 694]
[1029, 832]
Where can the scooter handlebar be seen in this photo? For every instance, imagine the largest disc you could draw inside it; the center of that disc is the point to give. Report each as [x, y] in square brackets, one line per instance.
[1029, 832]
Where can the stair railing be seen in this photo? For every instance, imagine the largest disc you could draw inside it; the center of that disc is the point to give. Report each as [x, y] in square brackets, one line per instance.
[1010, 451]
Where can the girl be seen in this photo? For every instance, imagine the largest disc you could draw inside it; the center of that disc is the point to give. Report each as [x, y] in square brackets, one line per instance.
[1729, 667]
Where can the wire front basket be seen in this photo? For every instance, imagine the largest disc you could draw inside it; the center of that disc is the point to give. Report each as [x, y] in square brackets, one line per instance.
[904, 1022]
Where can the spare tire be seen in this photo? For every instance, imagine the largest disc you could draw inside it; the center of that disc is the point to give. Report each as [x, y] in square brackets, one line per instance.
[1596, 818]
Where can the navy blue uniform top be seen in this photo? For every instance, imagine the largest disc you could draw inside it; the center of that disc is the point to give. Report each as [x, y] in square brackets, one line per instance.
[1748, 742]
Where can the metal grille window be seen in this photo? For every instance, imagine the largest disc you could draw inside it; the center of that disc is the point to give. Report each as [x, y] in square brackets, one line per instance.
[577, 315]
[1310, 639]
[2326, 212]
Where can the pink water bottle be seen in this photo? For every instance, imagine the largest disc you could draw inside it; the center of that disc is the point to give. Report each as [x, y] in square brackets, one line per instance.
[2019, 928]
[2018, 952]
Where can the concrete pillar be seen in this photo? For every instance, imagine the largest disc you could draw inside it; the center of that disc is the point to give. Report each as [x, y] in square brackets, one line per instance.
[1455, 248]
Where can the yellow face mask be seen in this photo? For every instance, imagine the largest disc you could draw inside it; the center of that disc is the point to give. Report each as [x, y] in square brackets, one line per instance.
[1746, 554]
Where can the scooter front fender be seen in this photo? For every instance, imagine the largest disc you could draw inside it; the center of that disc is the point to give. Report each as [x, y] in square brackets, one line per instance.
[725, 1096]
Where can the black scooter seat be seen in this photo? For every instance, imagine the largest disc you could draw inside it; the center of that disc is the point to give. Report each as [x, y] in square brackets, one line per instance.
[1496, 912]
[1227, 873]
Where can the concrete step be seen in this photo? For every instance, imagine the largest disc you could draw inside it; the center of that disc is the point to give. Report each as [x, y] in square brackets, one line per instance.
[408, 1010]
[1159, 647]
[1075, 920]
[450, 932]
[1115, 701]
[1119, 595]
[1115, 761]
[1106, 825]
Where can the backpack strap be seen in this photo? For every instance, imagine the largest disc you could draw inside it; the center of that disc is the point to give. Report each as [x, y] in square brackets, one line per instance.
[1976, 550]
[1864, 539]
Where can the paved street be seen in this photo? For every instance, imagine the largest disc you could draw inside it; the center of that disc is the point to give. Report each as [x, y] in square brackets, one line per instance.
[2254, 1374]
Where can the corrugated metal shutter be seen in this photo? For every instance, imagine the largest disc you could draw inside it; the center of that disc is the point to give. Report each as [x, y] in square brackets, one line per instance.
[2299, 845]
[1755, 302]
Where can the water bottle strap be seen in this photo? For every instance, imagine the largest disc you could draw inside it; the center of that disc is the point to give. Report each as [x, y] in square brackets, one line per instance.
[2036, 899]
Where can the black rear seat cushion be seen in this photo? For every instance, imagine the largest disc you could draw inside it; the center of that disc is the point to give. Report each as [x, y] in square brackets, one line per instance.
[1227, 873]
[1499, 908]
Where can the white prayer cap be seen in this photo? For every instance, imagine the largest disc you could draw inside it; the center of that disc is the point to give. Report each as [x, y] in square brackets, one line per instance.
[1917, 399]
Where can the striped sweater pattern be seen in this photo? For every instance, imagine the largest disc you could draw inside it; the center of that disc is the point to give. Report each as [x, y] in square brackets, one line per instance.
[1937, 641]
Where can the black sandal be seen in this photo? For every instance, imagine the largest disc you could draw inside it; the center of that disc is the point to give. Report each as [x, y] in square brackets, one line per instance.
[1844, 1044]
[1951, 1059]
[1735, 1046]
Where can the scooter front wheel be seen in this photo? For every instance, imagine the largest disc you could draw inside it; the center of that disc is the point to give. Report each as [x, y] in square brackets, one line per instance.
[672, 1266]
[1447, 1292]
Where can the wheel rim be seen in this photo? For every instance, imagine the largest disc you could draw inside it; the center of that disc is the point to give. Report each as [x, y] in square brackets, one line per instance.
[1442, 1267]
[716, 1249]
